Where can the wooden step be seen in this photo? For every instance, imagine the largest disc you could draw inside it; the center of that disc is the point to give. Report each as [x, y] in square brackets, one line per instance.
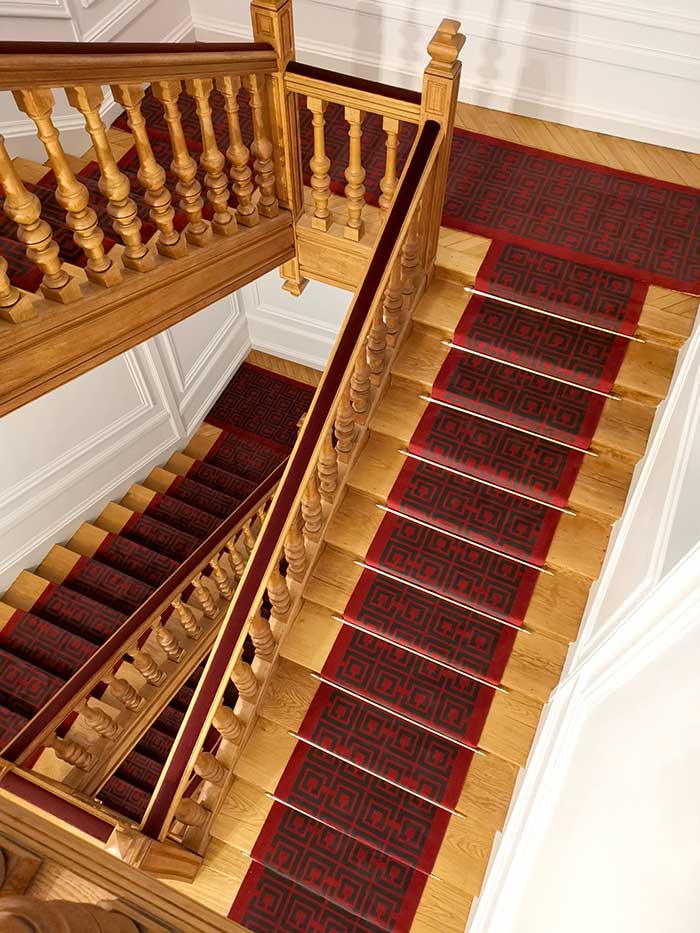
[6, 613]
[203, 441]
[180, 464]
[644, 376]
[533, 668]
[578, 545]
[667, 317]
[120, 142]
[26, 590]
[159, 480]
[58, 564]
[87, 540]
[114, 517]
[138, 498]
[419, 361]
[29, 171]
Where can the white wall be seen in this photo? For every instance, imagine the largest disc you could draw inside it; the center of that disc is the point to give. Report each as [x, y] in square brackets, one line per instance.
[627, 68]
[66, 454]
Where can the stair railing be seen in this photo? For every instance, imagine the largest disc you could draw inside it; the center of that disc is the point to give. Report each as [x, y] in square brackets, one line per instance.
[89, 726]
[186, 241]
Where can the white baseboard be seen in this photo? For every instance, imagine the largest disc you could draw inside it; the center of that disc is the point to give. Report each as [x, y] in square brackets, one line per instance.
[292, 337]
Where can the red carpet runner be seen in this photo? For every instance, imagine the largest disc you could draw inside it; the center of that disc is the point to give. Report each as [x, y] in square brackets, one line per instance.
[385, 748]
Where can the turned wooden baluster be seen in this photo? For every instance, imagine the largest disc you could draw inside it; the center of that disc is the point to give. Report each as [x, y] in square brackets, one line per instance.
[191, 813]
[221, 579]
[376, 346]
[237, 560]
[312, 510]
[328, 469]
[295, 549]
[249, 536]
[410, 260]
[71, 194]
[187, 618]
[360, 388]
[24, 209]
[244, 681]
[72, 753]
[206, 600]
[151, 176]
[147, 668]
[14, 305]
[344, 426]
[99, 721]
[212, 159]
[184, 167]
[209, 769]
[114, 184]
[392, 304]
[355, 176]
[261, 636]
[123, 692]
[171, 647]
[229, 725]
[389, 181]
[320, 165]
[261, 148]
[278, 594]
[237, 155]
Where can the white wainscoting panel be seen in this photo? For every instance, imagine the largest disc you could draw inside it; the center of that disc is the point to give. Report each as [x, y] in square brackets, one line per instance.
[66, 454]
[301, 329]
[622, 68]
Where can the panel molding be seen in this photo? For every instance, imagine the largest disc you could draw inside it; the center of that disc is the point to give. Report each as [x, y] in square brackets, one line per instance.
[35, 9]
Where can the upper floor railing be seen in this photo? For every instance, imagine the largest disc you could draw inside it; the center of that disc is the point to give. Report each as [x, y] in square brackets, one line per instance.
[374, 232]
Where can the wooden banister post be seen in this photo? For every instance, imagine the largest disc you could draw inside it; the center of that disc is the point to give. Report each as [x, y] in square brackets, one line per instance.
[30, 914]
[273, 22]
[161, 859]
[438, 102]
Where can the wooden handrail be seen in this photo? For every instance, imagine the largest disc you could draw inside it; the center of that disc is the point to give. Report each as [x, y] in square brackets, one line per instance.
[350, 91]
[195, 724]
[80, 684]
[59, 64]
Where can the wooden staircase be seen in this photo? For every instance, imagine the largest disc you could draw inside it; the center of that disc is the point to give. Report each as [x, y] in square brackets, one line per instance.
[539, 651]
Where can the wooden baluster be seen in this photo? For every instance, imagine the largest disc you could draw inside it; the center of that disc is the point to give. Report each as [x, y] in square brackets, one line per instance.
[393, 305]
[328, 469]
[312, 510]
[261, 636]
[209, 768]
[237, 561]
[278, 594]
[237, 155]
[221, 578]
[389, 181]
[172, 648]
[360, 388]
[123, 692]
[151, 176]
[249, 536]
[212, 159]
[72, 753]
[35, 234]
[71, 194]
[376, 346]
[206, 600]
[114, 184]
[184, 167]
[295, 549]
[148, 668]
[344, 426]
[99, 721]
[410, 260]
[355, 176]
[187, 618]
[229, 725]
[320, 165]
[191, 813]
[244, 681]
[14, 305]
[261, 149]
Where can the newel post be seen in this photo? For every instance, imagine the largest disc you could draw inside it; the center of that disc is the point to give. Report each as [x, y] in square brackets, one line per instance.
[273, 23]
[438, 102]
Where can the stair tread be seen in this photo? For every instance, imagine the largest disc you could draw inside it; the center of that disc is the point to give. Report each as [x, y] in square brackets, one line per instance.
[192, 492]
[122, 554]
[154, 534]
[95, 579]
[171, 511]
